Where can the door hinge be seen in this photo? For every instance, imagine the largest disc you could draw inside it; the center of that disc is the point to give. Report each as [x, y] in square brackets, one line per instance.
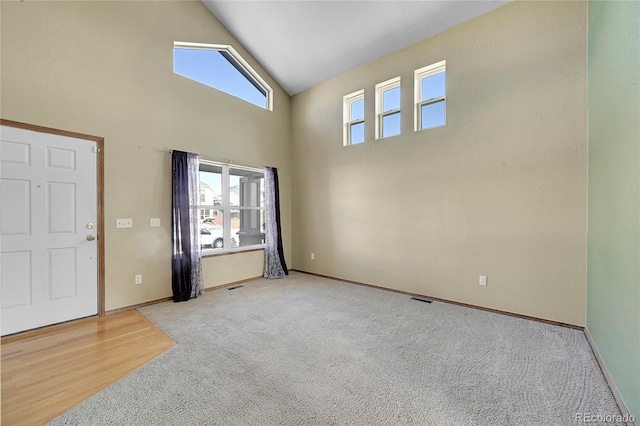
[96, 149]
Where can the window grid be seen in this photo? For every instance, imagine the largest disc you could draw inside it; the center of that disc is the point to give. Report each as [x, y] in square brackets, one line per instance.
[227, 207]
[420, 103]
[352, 122]
[383, 113]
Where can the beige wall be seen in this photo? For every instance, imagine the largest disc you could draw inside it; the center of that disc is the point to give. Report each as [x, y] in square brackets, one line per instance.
[499, 191]
[105, 69]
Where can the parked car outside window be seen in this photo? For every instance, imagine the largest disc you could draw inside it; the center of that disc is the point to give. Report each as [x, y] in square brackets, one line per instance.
[211, 237]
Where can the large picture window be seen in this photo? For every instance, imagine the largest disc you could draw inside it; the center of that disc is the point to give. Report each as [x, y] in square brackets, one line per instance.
[232, 213]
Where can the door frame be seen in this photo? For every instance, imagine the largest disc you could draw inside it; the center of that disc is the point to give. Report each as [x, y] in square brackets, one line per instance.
[100, 193]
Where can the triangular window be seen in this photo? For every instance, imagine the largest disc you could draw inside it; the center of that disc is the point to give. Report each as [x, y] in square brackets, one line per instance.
[221, 67]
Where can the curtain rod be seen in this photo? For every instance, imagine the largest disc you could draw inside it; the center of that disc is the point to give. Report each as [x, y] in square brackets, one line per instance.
[223, 160]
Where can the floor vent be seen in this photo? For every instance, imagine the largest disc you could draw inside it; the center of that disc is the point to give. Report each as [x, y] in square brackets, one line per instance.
[234, 287]
[422, 300]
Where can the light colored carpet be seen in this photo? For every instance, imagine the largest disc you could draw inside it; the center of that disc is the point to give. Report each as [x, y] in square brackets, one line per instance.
[307, 350]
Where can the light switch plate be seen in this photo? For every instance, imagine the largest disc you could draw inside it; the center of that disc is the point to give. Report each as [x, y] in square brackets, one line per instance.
[124, 223]
[155, 221]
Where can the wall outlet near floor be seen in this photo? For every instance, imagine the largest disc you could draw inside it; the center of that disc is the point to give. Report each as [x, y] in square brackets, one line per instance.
[483, 280]
[138, 279]
[155, 221]
[313, 256]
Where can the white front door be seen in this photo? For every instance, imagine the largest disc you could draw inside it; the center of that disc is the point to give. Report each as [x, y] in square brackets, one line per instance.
[48, 229]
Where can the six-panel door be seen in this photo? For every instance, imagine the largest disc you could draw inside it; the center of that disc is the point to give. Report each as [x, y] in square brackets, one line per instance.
[48, 214]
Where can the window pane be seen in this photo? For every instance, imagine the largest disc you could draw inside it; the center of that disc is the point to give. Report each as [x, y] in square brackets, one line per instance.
[357, 110]
[391, 125]
[246, 188]
[432, 115]
[210, 67]
[211, 229]
[247, 227]
[210, 185]
[433, 86]
[357, 133]
[245, 193]
[391, 99]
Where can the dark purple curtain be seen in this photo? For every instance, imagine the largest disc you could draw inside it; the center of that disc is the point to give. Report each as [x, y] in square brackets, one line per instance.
[181, 267]
[274, 263]
[278, 226]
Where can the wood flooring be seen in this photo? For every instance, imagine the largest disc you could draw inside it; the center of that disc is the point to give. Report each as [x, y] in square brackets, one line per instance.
[48, 372]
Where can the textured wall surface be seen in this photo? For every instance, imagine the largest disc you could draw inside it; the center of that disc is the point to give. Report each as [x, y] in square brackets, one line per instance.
[106, 69]
[613, 290]
[499, 191]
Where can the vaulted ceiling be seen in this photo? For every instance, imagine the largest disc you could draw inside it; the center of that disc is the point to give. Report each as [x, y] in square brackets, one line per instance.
[304, 43]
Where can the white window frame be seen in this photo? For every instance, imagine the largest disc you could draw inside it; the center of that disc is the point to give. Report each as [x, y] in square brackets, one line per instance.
[380, 89]
[238, 62]
[419, 74]
[226, 208]
[347, 101]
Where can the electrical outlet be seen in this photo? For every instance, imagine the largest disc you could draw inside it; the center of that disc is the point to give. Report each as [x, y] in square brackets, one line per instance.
[155, 221]
[483, 280]
[138, 279]
[124, 223]
[313, 256]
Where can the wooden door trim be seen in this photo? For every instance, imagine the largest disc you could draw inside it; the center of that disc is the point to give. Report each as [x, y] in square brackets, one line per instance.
[100, 193]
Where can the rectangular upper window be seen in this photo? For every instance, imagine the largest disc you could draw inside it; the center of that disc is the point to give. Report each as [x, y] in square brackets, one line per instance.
[388, 108]
[221, 67]
[231, 207]
[430, 96]
[353, 118]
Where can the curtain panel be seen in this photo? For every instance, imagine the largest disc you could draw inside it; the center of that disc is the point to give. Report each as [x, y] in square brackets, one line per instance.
[274, 262]
[186, 276]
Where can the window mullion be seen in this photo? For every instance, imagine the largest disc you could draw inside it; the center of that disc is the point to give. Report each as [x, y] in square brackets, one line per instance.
[226, 211]
[390, 112]
[431, 101]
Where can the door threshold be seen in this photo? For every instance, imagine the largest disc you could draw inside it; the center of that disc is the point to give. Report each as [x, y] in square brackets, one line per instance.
[48, 329]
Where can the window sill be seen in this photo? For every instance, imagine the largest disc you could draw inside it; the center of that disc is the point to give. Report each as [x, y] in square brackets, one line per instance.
[214, 252]
[432, 127]
[389, 137]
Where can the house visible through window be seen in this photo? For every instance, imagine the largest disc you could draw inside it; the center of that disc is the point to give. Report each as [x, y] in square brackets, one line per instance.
[221, 67]
[430, 94]
[353, 112]
[232, 215]
[388, 108]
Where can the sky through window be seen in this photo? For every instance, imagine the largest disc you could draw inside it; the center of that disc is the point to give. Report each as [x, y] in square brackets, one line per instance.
[211, 67]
